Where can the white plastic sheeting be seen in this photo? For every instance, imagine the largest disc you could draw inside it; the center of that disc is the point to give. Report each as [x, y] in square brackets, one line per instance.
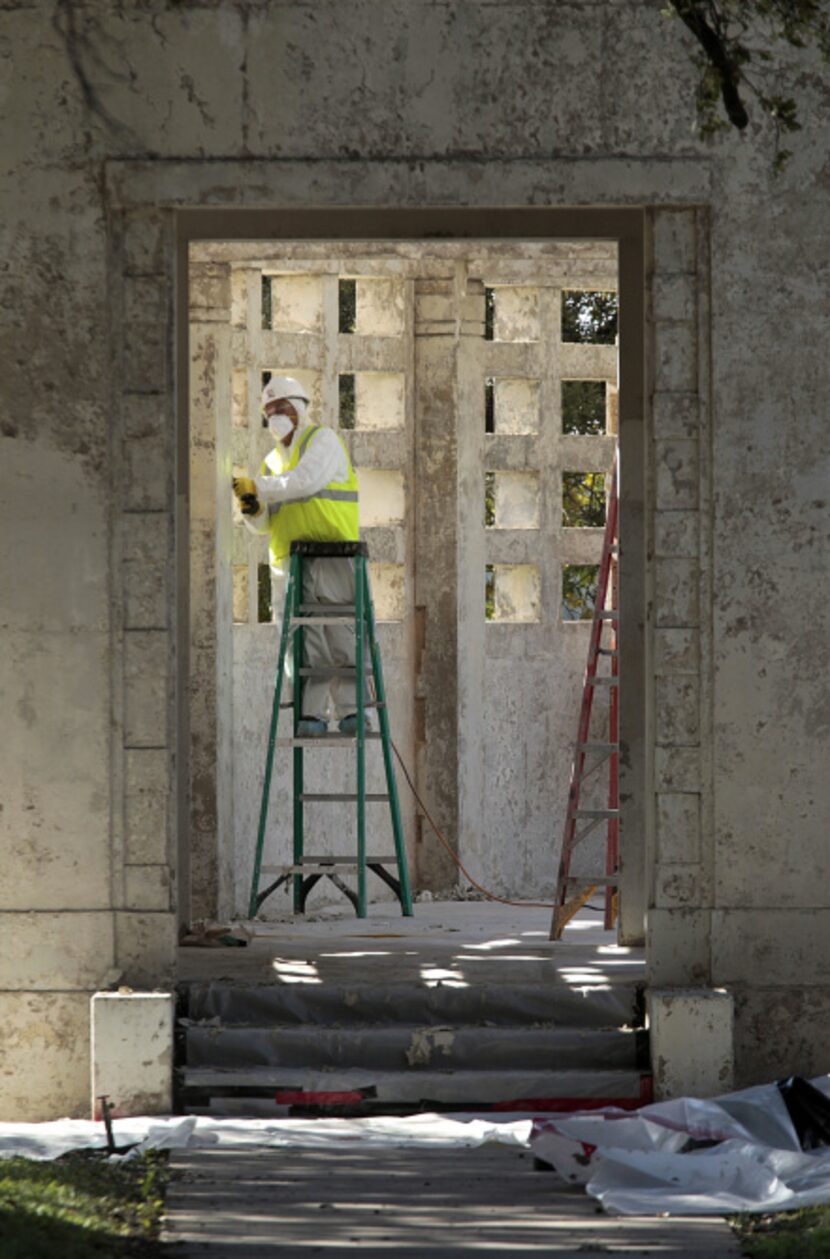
[738, 1152]
[50, 1140]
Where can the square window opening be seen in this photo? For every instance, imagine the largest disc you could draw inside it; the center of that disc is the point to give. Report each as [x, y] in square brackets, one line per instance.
[584, 499]
[263, 592]
[589, 317]
[267, 304]
[347, 306]
[512, 593]
[584, 407]
[579, 591]
[347, 404]
[489, 500]
[490, 405]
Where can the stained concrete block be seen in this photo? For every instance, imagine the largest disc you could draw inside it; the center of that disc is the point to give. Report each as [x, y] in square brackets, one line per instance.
[677, 769]
[682, 886]
[677, 650]
[678, 828]
[692, 1041]
[146, 569]
[674, 242]
[146, 667]
[677, 475]
[147, 887]
[55, 821]
[148, 428]
[675, 415]
[148, 787]
[677, 947]
[42, 951]
[145, 947]
[776, 944]
[44, 1070]
[210, 288]
[677, 705]
[45, 593]
[676, 592]
[145, 243]
[673, 297]
[780, 1031]
[677, 534]
[146, 347]
[675, 357]
[132, 1052]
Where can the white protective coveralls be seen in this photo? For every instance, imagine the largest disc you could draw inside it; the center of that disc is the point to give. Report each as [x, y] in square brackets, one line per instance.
[324, 580]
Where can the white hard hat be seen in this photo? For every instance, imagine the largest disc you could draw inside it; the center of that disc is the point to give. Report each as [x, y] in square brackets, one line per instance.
[280, 387]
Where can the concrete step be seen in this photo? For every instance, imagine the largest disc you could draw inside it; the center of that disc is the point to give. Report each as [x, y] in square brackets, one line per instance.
[421, 1088]
[415, 1048]
[349, 1005]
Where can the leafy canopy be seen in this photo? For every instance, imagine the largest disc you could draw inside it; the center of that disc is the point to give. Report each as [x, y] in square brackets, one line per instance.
[736, 40]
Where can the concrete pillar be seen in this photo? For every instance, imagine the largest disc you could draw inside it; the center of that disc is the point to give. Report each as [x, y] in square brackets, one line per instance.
[436, 562]
[132, 1052]
[692, 1041]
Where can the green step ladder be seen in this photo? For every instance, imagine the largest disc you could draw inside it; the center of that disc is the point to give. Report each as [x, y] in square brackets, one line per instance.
[306, 871]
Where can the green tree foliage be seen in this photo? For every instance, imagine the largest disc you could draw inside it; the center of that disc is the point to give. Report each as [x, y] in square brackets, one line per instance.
[583, 407]
[347, 305]
[590, 318]
[736, 57]
[583, 500]
[579, 591]
[263, 593]
[348, 403]
[489, 592]
[489, 499]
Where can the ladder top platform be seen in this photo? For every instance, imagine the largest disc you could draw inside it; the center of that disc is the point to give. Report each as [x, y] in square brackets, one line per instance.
[331, 550]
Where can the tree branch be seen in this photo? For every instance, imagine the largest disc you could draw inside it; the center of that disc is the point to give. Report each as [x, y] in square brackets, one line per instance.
[716, 52]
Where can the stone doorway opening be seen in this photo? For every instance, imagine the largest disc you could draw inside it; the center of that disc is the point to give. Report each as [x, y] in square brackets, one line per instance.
[475, 385]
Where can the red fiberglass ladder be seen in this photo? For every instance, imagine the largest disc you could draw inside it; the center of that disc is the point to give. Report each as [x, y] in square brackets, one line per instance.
[572, 891]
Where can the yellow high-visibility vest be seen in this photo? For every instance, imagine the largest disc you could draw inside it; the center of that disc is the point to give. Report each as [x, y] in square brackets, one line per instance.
[330, 515]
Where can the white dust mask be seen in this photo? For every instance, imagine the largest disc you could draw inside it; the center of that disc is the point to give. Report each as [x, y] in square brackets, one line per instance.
[280, 426]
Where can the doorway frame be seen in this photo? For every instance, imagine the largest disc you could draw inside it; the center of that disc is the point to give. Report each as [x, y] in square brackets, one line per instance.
[627, 228]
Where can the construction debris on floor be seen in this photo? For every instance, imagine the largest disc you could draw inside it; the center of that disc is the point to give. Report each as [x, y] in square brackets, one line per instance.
[761, 1149]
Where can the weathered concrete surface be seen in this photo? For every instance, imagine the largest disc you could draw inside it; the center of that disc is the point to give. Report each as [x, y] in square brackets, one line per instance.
[692, 1041]
[132, 1053]
[423, 1202]
[459, 104]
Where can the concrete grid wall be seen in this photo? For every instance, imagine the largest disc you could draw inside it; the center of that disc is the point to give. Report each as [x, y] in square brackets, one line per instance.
[121, 116]
[509, 819]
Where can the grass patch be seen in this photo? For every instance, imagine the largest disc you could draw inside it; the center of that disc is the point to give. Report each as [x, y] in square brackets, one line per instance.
[80, 1205]
[803, 1234]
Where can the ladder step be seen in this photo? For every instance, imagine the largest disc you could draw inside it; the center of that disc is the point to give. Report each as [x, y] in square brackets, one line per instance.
[326, 740]
[319, 865]
[330, 608]
[371, 797]
[324, 671]
[594, 813]
[607, 651]
[598, 747]
[602, 681]
[308, 621]
[606, 614]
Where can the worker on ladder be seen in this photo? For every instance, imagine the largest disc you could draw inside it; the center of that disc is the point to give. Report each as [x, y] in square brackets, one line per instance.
[307, 491]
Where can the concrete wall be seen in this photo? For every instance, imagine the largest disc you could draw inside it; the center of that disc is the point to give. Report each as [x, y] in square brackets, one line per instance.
[116, 118]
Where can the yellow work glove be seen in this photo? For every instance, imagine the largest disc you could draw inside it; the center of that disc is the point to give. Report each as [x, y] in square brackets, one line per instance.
[243, 486]
[245, 490]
